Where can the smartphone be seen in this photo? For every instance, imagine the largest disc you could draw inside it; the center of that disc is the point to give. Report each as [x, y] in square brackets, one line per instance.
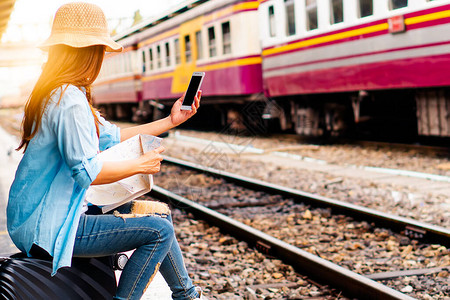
[192, 90]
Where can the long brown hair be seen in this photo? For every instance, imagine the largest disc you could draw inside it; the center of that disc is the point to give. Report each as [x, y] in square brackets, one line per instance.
[65, 65]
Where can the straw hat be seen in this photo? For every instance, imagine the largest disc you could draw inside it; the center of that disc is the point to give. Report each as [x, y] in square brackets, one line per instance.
[79, 25]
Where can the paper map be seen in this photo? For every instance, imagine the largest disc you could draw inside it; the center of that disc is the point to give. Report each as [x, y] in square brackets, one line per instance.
[112, 195]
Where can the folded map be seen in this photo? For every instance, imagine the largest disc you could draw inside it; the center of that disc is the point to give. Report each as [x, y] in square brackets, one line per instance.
[112, 195]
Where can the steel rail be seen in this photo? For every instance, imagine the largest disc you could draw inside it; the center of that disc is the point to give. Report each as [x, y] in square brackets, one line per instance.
[319, 269]
[412, 228]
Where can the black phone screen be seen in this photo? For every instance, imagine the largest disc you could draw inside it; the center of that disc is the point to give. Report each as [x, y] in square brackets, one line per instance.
[192, 90]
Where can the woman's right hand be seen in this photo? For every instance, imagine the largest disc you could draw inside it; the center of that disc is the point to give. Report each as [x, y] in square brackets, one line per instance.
[112, 171]
[150, 162]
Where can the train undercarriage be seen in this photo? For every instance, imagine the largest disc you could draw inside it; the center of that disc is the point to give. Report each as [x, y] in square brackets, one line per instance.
[395, 115]
[400, 115]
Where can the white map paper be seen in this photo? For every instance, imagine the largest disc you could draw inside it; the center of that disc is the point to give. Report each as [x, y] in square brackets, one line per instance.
[112, 195]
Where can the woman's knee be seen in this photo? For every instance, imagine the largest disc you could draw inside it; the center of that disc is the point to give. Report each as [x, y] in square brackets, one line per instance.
[162, 226]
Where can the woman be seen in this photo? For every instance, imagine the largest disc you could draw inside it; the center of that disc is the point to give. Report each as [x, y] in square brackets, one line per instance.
[62, 135]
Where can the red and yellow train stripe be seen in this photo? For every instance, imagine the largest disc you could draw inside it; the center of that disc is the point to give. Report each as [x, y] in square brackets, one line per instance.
[236, 62]
[213, 16]
[412, 20]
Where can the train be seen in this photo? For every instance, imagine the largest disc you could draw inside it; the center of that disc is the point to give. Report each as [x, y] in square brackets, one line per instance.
[311, 67]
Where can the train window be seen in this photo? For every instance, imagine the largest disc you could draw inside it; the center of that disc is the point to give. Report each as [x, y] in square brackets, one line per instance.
[226, 35]
[337, 11]
[290, 17]
[106, 68]
[150, 60]
[199, 42]
[129, 69]
[272, 24]
[212, 42]
[177, 51]
[158, 56]
[311, 15]
[187, 52]
[167, 54]
[143, 61]
[123, 63]
[365, 8]
[396, 4]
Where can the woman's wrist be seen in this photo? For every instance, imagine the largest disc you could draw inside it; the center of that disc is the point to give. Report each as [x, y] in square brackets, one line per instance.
[168, 120]
[137, 166]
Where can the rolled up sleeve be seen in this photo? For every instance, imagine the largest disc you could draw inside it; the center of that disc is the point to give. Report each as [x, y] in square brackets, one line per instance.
[86, 171]
[77, 139]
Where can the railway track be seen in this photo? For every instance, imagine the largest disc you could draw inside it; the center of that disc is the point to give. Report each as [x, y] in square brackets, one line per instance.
[320, 269]
[432, 148]
[227, 268]
[352, 284]
[414, 229]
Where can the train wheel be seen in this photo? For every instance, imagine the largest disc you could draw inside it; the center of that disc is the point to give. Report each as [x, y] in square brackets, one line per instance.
[252, 115]
[307, 122]
[335, 122]
[235, 120]
[143, 112]
[123, 111]
[110, 111]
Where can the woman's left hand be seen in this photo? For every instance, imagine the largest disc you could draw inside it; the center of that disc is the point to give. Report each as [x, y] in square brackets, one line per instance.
[178, 116]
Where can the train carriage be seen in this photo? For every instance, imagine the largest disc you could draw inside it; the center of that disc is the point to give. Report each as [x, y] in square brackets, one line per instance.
[209, 36]
[315, 67]
[331, 63]
[118, 88]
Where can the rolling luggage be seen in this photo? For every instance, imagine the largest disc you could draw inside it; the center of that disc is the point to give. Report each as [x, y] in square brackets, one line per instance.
[26, 278]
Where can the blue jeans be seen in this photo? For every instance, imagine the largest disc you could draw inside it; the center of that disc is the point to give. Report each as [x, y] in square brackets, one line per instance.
[156, 247]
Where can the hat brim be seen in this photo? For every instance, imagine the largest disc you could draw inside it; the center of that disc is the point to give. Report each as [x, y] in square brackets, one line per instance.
[80, 41]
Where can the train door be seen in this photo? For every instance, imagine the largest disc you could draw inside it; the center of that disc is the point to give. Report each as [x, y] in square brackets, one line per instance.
[188, 44]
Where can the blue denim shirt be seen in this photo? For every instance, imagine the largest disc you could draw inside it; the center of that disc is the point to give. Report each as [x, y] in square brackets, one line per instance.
[47, 195]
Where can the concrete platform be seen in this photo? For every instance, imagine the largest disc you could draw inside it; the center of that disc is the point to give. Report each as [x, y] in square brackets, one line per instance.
[421, 182]
[9, 159]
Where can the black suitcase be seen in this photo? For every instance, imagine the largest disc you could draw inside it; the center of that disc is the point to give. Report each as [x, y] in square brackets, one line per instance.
[26, 278]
